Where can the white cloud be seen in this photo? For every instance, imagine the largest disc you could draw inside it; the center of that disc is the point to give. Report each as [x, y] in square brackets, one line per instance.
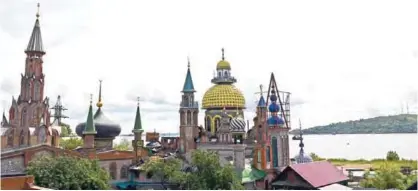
[342, 60]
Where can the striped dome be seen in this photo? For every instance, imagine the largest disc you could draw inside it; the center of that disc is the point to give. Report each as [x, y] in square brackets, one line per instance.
[238, 124]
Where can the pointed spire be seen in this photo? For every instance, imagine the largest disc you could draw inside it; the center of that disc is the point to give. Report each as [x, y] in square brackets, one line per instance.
[35, 43]
[223, 54]
[99, 102]
[90, 127]
[261, 102]
[301, 145]
[138, 123]
[4, 121]
[188, 83]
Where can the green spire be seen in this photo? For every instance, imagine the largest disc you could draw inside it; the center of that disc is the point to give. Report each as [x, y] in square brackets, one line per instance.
[188, 83]
[90, 128]
[138, 123]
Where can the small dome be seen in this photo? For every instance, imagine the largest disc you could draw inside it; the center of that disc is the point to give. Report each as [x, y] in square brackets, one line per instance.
[273, 97]
[223, 95]
[303, 158]
[105, 127]
[238, 124]
[275, 121]
[223, 65]
[273, 107]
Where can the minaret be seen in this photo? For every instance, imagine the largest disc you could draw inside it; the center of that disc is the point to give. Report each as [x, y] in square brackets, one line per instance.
[137, 143]
[262, 146]
[90, 131]
[33, 78]
[58, 111]
[189, 110]
[31, 105]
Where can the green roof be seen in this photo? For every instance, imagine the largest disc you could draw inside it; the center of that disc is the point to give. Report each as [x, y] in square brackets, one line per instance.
[252, 174]
[138, 123]
[90, 128]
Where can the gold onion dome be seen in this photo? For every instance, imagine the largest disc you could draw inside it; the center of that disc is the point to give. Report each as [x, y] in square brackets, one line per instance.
[223, 95]
[223, 65]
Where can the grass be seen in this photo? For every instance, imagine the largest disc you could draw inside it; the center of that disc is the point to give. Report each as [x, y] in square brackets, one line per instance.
[375, 163]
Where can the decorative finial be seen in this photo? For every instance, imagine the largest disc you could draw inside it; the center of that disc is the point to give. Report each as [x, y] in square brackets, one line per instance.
[100, 103]
[91, 99]
[261, 89]
[37, 13]
[223, 54]
[188, 62]
[300, 128]
[138, 100]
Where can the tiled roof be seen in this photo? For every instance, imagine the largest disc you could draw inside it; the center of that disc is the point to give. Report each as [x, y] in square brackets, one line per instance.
[319, 173]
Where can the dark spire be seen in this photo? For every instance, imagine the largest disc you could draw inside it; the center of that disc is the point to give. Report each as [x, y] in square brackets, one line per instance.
[223, 54]
[188, 83]
[90, 128]
[138, 123]
[35, 43]
[99, 102]
[301, 145]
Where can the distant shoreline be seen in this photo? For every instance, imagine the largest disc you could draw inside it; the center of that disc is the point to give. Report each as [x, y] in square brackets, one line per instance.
[360, 133]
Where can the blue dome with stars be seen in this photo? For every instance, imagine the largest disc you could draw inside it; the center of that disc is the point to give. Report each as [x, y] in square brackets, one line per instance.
[273, 107]
[275, 121]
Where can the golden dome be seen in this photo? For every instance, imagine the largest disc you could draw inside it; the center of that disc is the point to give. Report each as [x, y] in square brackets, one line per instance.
[223, 95]
[223, 64]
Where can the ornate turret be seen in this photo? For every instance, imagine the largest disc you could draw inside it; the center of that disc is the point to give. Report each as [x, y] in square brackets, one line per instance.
[238, 128]
[189, 112]
[35, 44]
[4, 122]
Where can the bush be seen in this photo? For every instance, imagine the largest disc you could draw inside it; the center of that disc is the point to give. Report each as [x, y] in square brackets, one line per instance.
[392, 156]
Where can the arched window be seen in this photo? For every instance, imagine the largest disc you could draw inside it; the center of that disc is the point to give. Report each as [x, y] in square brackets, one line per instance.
[275, 152]
[226, 73]
[217, 124]
[219, 74]
[124, 172]
[42, 135]
[207, 120]
[189, 117]
[113, 170]
[268, 155]
[37, 91]
[21, 138]
[23, 118]
[10, 138]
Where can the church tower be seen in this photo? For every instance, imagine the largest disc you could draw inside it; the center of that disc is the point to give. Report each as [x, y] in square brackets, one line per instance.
[262, 146]
[189, 110]
[30, 106]
[278, 124]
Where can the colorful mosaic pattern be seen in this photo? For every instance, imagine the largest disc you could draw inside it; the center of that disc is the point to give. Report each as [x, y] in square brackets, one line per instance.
[223, 95]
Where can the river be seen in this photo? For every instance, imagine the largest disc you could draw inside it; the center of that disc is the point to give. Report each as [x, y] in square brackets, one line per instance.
[354, 146]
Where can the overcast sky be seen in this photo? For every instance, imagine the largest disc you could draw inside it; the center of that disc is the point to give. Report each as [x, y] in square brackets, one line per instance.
[342, 60]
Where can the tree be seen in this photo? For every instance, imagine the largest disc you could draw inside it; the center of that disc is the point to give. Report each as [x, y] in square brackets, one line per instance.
[71, 143]
[124, 145]
[392, 156]
[209, 174]
[68, 173]
[315, 157]
[387, 177]
[165, 171]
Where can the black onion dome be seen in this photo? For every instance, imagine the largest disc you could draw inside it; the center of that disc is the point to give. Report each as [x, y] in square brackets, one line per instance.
[104, 126]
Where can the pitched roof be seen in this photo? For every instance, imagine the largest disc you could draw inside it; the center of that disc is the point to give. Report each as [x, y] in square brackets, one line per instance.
[319, 173]
[35, 42]
[188, 83]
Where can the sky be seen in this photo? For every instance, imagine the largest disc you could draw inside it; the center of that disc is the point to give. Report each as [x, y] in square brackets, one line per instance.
[341, 60]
